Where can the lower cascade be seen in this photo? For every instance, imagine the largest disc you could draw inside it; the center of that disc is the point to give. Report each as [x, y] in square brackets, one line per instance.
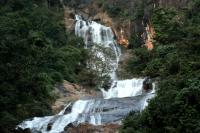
[123, 96]
[126, 96]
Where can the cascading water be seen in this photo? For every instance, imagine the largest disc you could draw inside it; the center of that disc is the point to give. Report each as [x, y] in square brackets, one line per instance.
[123, 96]
[96, 34]
[125, 88]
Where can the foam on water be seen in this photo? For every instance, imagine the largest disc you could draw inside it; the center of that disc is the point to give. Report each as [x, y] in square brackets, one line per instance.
[124, 88]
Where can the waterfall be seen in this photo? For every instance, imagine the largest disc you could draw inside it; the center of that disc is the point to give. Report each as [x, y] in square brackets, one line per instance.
[125, 88]
[123, 97]
[96, 34]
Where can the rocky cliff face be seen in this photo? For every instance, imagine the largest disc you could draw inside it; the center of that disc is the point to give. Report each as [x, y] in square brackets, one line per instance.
[130, 17]
[92, 10]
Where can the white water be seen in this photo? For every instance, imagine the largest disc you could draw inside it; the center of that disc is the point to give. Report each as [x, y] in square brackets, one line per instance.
[96, 34]
[123, 96]
[124, 88]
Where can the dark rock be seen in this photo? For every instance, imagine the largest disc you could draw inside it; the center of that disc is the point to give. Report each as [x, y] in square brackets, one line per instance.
[147, 84]
[107, 85]
[70, 125]
[72, 15]
[68, 109]
[49, 126]
[97, 20]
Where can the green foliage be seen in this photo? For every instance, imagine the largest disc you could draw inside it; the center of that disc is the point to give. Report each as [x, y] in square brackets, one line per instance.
[35, 53]
[134, 41]
[175, 109]
[174, 60]
[96, 73]
[138, 62]
[114, 9]
[168, 26]
[139, 10]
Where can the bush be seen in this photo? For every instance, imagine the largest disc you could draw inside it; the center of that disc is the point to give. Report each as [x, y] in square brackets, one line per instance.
[138, 61]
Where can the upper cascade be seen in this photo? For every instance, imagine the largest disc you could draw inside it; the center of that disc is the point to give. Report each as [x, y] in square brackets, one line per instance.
[95, 34]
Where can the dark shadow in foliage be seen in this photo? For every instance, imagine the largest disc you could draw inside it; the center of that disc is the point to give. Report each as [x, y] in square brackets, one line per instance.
[35, 53]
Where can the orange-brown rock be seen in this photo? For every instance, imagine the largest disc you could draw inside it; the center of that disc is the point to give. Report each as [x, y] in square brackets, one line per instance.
[121, 27]
[150, 34]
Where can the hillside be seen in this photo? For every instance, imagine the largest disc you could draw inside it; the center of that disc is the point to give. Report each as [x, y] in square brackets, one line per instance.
[149, 46]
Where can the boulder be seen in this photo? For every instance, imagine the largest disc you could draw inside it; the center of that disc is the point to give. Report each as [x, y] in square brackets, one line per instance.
[147, 84]
[49, 126]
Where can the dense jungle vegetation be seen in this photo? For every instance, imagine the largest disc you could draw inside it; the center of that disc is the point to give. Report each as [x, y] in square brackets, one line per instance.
[175, 62]
[35, 53]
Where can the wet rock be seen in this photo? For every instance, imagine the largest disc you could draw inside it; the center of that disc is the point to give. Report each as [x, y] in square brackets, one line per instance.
[68, 109]
[147, 84]
[70, 125]
[49, 126]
